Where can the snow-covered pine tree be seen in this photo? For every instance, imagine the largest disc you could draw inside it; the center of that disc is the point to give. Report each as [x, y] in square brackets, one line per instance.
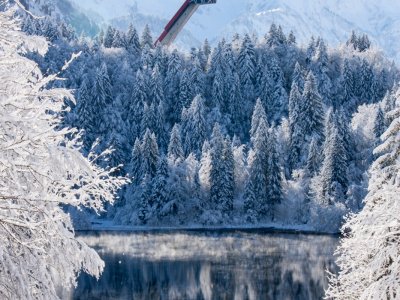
[291, 39]
[240, 114]
[194, 126]
[205, 168]
[333, 175]
[160, 57]
[311, 48]
[273, 175]
[259, 116]
[353, 40]
[157, 86]
[175, 149]
[312, 112]
[216, 58]
[364, 43]
[261, 68]
[197, 79]
[296, 134]
[102, 96]
[277, 103]
[84, 107]
[228, 83]
[228, 62]
[206, 49]
[217, 175]
[147, 59]
[159, 192]
[132, 42]
[348, 86]
[116, 158]
[109, 37]
[161, 126]
[343, 121]
[148, 119]
[135, 164]
[218, 89]
[389, 103]
[136, 105]
[150, 154]
[146, 39]
[275, 36]
[330, 120]
[172, 81]
[145, 211]
[366, 80]
[240, 170]
[298, 77]
[368, 255]
[184, 93]
[102, 87]
[314, 157]
[118, 40]
[228, 184]
[250, 202]
[321, 73]
[247, 66]
[379, 124]
[257, 170]
[202, 59]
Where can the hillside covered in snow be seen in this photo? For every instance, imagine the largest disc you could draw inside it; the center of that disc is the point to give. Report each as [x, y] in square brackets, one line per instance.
[332, 20]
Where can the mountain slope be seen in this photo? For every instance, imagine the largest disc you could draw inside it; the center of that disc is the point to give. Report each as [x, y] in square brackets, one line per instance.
[66, 11]
[333, 20]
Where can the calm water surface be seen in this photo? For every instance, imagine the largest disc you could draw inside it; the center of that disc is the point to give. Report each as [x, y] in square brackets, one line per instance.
[208, 265]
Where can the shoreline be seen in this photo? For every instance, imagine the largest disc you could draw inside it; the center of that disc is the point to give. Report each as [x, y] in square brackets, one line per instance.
[257, 229]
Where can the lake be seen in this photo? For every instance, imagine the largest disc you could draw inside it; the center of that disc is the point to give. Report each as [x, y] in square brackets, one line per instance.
[252, 264]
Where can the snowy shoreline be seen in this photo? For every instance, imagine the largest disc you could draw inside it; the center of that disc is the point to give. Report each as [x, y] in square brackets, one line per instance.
[262, 228]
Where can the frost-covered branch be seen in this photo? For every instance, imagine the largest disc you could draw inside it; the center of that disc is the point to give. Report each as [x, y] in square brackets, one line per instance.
[40, 171]
[369, 255]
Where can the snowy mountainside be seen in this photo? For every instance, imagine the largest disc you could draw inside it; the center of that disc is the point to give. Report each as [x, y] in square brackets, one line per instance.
[156, 24]
[139, 13]
[66, 11]
[333, 20]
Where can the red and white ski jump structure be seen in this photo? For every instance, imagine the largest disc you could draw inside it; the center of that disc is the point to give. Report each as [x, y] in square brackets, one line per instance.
[179, 20]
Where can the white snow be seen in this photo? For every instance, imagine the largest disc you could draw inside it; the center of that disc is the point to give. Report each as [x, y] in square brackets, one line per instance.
[333, 20]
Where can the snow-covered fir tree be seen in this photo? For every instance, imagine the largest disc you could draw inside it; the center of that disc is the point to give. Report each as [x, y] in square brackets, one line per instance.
[194, 126]
[258, 172]
[273, 175]
[159, 194]
[379, 125]
[333, 173]
[149, 155]
[369, 252]
[175, 149]
[146, 39]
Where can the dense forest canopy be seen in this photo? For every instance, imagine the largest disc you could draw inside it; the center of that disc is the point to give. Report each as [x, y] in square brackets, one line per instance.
[250, 131]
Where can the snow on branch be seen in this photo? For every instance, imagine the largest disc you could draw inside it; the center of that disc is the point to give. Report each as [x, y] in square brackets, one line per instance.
[40, 172]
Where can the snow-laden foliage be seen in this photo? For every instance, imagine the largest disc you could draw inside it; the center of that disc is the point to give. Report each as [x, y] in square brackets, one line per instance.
[158, 107]
[369, 254]
[40, 170]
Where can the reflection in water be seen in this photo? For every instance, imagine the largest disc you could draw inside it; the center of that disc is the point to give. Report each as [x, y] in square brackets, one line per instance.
[204, 265]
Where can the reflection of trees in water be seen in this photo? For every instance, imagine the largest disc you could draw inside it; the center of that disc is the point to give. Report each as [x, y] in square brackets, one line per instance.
[252, 267]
